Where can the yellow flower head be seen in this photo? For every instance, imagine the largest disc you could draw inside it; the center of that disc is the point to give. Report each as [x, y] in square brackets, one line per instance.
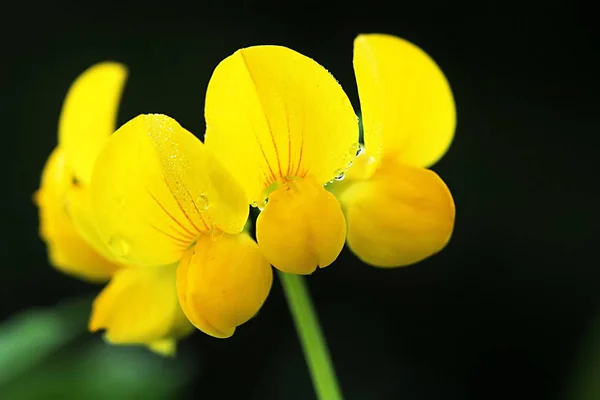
[163, 214]
[66, 223]
[87, 119]
[160, 198]
[284, 127]
[397, 211]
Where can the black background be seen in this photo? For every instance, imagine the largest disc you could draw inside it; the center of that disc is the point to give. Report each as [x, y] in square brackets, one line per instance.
[500, 313]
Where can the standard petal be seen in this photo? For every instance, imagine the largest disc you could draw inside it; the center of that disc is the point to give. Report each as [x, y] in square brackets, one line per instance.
[155, 187]
[67, 250]
[140, 306]
[89, 115]
[273, 113]
[222, 282]
[301, 228]
[400, 216]
[406, 103]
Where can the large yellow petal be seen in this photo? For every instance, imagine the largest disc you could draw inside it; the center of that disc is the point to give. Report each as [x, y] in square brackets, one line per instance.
[89, 115]
[155, 187]
[406, 103]
[301, 228]
[67, 250]
[400, 216]
[140, 306]
[222, 282]
[79, 208]
[273, 113]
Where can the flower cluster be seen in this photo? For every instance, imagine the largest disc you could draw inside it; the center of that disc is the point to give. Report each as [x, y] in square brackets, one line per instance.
[161, 215]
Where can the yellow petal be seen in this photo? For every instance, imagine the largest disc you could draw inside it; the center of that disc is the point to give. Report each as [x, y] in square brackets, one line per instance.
[273, 113]
[301, 228]
[67, 250]
[164, 347]
[155, 187]
[222, 282]
[406, 103]
[139, 306]
[400, 216]
[79, 208]
[89, 115]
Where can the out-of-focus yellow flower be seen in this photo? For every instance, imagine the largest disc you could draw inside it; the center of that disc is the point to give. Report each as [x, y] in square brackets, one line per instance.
[284, 127]
[87, 120]
[140, 305]
[397, 211]
[159, 198]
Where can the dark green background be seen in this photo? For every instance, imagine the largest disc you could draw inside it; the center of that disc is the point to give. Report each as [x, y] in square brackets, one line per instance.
[501, 313]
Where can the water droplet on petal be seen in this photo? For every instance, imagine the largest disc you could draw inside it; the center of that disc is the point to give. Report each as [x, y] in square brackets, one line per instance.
[254, 204]
[201, 202]
[360, 150]
[339, 175]
[354, 147]
[119, 246]
[263, 204]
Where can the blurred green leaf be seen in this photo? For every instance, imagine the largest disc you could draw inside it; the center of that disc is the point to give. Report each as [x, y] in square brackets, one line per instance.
[101, 371]
[43, 355]
[586, 377]
[30, 337]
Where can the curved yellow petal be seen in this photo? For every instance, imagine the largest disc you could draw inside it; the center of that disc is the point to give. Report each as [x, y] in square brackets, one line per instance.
[272, 113]
[79, 208]
[407, 106]
[301, 228]
[400, 216]
[222, 282]
[155, 188]
[89, 115]
[140, 306]
[67, 250]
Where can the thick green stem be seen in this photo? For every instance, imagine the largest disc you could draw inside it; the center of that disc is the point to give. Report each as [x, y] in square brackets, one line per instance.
[311, 337]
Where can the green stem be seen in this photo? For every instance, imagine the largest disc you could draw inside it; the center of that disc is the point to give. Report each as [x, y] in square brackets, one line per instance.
[311, 337]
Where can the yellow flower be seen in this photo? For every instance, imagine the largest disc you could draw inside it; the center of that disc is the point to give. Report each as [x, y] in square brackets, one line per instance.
[284, 127]
[140, 305]
[66, 225]
[87, 119]
[397, 211]
[160, 199]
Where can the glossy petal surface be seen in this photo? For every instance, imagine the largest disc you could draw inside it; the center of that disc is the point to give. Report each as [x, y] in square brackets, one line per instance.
[400, 216]
[155, 188]
[273, 113]
[301, 228]
[222, 282]
[407, 107]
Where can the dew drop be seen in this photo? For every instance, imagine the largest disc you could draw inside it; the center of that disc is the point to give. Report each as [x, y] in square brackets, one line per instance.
[263, 204]
[360, 150]
[354, 147]
[339, 175]
[201, 202]
[254, 204]
[119, 246]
